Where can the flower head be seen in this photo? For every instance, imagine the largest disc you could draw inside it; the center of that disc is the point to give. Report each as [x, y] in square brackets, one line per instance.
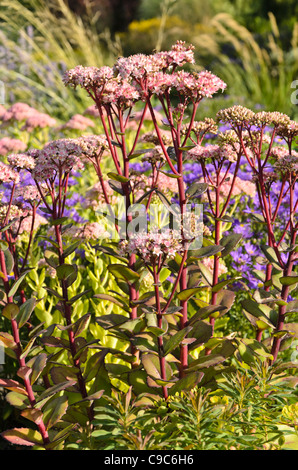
[18, 112]
[9, 144]
[57, 156]
[235, 115]
[196, 86]
[15, 212]
[87, 77]
[286, 165]
[21, 160]
[200, 128]
[38, 120]
[77, 121]
[217, 152]
[7, 174]
[92, 145]
[264, 118]
[287, 129]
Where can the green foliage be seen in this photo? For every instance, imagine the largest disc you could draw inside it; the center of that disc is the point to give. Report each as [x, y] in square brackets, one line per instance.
[247, 412]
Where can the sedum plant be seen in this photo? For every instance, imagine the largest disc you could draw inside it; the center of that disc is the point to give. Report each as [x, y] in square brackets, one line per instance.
[136, 290]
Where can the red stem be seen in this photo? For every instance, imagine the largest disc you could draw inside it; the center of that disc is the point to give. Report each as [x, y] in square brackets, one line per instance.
[162, 360]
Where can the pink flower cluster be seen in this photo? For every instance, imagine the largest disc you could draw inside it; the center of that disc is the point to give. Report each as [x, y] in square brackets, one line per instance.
[25, 225]
[21, 160]
[18, 112]
[57, 157]
[287, 164]
[33, 118]
[77, 121]
[7, 174]
[280, 152]
[28, 193]
[88, 77]
[152, 245]
[89, 231]
[139, 66]
[198, 85]
[121, 93]
[235, 115]
[92, 145]
[137, 76]
[216, 152]
[200, 128]
[38, 120]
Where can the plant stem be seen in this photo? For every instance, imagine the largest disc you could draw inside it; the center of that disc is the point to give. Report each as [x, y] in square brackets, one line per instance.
[15, 330]
[162, 360]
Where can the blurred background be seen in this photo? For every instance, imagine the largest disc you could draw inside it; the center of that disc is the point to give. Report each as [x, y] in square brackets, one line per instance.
[252, 46]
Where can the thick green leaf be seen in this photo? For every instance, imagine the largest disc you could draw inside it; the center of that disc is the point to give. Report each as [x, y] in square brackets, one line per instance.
[54, 410]
[78, 296]
[9, 261]
[257, 313]
[81, 324]
[116, 186]
[202, 332]
[69, 250]
[249, 349]
[120, 271]
[188, 293]
[207, 251]
[186, 383]
[271, 256]
[10, 311]
[206, 273]
[288, 280]
[196, 190]
[17, 400]
[66, 271]
[225, 298]
[60, 374]
[152, 366]
[117, 177]
[152, 325]
[52, 258]
[210, 360]
[3, 245]
[94, 363]
[111, 321]
[25, 312]
[33, 415]
[13, 385]
[110, 298]
[222, 284]
[204, 312]
[37, 364]
[44, 396]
